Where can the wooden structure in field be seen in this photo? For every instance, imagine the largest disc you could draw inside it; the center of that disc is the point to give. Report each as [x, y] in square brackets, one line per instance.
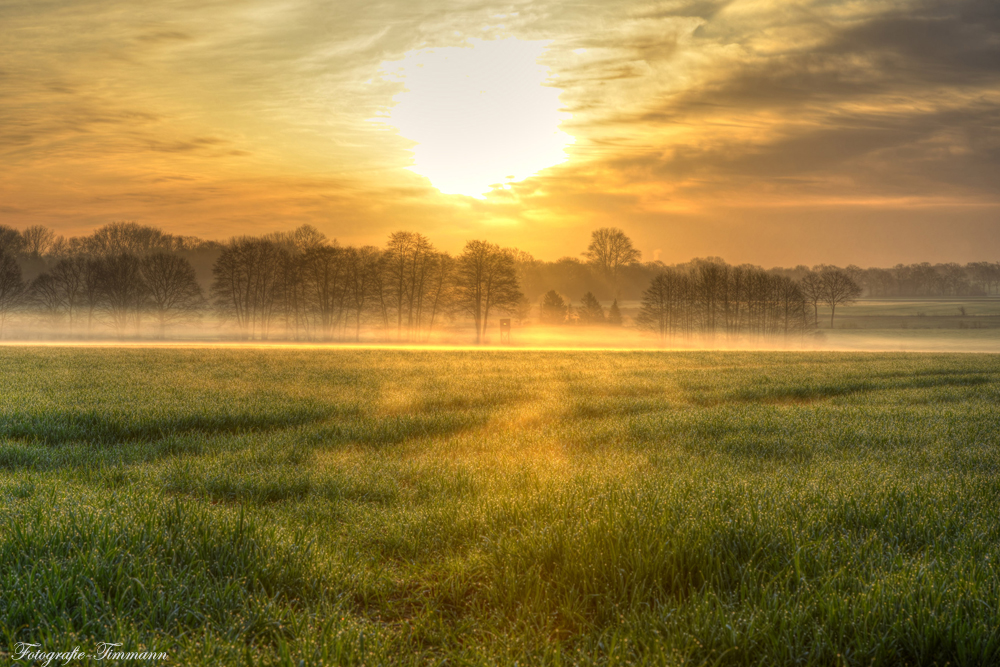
[505, 331]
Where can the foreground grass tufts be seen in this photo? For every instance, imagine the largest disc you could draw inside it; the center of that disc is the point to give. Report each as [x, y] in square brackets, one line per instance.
[369, 507]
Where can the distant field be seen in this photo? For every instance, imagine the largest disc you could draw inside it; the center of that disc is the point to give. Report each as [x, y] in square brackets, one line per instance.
[936, 307]
[894, 315]
[896, 307]
[254, 506]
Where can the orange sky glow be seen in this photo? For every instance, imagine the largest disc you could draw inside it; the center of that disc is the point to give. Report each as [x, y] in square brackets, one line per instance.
[763, 131]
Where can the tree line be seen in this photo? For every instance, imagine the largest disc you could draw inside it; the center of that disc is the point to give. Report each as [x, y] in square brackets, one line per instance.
[925, 279]
[297, 285]
[713, 300]
[120, 275]
[127, 278]
[307, 288]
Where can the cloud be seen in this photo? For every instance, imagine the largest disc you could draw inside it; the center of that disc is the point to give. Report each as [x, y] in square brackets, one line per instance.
[696, 122]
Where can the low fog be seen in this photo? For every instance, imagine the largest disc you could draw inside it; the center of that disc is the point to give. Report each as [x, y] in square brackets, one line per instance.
[130, 284]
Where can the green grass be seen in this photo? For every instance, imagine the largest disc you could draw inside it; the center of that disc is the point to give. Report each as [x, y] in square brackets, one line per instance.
[250, 506]
[917, 306]
[941, 316]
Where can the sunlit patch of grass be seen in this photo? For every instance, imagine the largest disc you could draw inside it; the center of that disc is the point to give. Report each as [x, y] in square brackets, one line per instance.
[413, 507]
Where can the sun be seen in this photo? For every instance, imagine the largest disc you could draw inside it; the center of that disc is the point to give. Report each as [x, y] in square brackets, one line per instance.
[481, 115]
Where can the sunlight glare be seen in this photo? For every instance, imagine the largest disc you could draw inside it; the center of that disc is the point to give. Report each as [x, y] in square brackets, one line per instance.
[481, 115]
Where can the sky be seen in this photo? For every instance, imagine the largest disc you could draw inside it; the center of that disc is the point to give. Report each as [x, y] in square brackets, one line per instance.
[770, 132]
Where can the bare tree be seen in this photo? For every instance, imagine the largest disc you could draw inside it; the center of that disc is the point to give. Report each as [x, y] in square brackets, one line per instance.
[397, 255]
[409, 262]
[37, 240]
[363, 273]
[325, 280]
[11, 241]
[172, 291]
[440, 290]
[792, 307]
[247, 283]
[662, 309]
[838, 288]
[858, 275]
[486, 280]
[380, 292]
[123, 291]
[12, 287]
[46, 297]
[308, 237]
[813, 290]
[293, 303]
[609, 251]
[91, 289]
[711, 290]
[119, 238]
[69, 275]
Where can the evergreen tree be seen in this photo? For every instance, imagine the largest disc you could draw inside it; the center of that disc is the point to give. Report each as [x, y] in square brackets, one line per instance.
[553, 308]
[590, 310]
[614, 315]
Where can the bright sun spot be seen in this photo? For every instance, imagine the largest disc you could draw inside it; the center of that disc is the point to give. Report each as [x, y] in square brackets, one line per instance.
[480, 115]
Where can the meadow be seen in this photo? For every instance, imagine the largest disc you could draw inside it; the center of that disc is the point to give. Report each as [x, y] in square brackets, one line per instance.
[412, 507]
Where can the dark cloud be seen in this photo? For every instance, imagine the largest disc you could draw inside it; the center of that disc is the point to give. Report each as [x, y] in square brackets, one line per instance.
[954, 43]
[902, 103]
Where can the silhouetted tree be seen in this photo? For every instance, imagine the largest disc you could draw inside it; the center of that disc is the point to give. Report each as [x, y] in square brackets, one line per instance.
[11, 241]
[609, 251]
[247, 283]
[523, 310]
[37, 240]
[614, 314]
[485, 281]
[711, 289]
[409, 261]
[291, 287]
[12, 287]
[118, 238]
[552, 309]
[122, 290]
[813, 290]
[363, 275]
[792, 308]
[440, 289]
[590, 310]
[838, 288]
[69, 276]
[325, 280]
[396, 258]
[662, 306]
[46, 297]
[91, 289]
[307, 237]
[172, 292]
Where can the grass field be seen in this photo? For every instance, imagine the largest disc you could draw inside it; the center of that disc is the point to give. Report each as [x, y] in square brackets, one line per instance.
[253, 506]
[894, 316]
[922, 307]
